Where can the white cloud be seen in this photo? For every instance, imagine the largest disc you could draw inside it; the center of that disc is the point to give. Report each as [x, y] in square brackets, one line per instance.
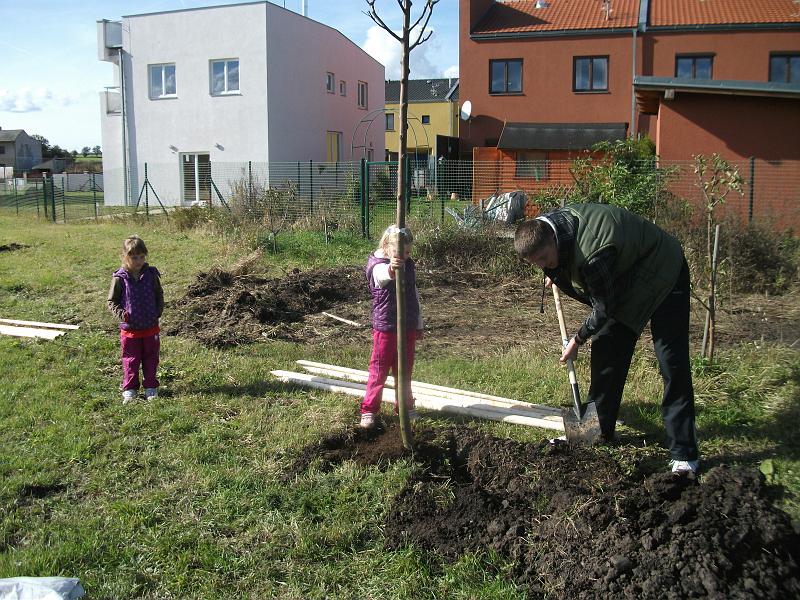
[451, 71]
[386, 50]
[26, 99]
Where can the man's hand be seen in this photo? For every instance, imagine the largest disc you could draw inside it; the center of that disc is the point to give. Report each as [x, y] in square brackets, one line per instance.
[548, 283]
[570, 352]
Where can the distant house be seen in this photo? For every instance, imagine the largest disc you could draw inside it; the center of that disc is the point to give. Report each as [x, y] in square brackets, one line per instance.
[51, 166]
[432, 118]
[19, 150]
[226, 85]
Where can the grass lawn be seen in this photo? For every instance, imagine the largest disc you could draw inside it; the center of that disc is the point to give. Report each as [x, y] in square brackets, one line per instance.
[182, 497]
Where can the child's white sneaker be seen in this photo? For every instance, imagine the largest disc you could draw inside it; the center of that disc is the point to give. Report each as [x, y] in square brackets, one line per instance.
[368, 421]
[128, 396]
[151, 393]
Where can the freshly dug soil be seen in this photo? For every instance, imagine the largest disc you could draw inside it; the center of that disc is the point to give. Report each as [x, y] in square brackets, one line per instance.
[475, 313]
[572, 524]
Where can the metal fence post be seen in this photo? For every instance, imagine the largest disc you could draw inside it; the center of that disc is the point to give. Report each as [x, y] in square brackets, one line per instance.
[63, 199]
[16, 200]
[752, 187]
[250, 201]
[366, 192]
[311, 182]
[146, 193]
[362, 196]
[94, 197]
[53, 198]
[44, 195]
[407, 191]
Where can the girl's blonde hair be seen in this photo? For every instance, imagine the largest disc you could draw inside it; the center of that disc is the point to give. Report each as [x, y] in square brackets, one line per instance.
[389, 237]
[133, 245]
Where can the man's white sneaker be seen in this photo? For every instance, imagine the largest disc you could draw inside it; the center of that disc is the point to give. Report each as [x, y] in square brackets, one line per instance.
[685, 466]
[368, 421]
[128, 396]
[151, 393]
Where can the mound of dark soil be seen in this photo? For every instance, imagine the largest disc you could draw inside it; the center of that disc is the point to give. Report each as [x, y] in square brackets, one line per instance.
[575, 526]
[222, 309]
[12, 246]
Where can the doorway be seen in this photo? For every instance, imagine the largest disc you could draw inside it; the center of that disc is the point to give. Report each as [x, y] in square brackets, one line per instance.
[196, 178]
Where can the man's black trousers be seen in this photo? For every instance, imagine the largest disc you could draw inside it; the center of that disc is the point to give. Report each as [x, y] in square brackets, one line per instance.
[612, 351]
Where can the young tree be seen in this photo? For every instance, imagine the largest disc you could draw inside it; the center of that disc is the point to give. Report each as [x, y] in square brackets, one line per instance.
[96, 151]
[85, 151]
[402, 387]
[716, 178]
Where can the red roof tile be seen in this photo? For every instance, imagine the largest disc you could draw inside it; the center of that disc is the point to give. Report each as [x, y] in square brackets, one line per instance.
[717, 12]
[523, 16]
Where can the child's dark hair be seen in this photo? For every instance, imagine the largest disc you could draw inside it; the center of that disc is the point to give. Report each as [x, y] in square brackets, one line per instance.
[531, 236]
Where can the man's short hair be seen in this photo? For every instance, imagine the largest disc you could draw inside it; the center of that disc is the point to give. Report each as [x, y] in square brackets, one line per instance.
[531, 236]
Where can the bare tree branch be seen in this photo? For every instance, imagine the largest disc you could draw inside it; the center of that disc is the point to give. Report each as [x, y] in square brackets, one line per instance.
[429, 10]
[373, 14]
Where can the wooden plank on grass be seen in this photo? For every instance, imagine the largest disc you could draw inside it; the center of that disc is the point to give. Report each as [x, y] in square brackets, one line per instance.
[30, 332]
[431, 389]
[461, 406]
[38, 324]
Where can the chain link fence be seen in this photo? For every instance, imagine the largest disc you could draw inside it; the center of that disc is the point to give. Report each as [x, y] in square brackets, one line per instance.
[362, 195]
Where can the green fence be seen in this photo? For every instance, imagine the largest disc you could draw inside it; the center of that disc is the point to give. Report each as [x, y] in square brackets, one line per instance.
[362, 195]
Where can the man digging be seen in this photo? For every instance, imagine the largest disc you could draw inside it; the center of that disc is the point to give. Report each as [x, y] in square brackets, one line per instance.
[629, 271]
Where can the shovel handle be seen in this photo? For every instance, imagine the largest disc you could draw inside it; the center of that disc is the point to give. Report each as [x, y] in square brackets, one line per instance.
[573, 379]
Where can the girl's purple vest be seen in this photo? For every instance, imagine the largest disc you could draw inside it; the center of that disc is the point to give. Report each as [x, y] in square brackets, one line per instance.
[139, 298]
[384, 300]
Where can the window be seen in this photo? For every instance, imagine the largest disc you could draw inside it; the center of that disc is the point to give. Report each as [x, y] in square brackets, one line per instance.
[532, 164]
[389, 121]
[224, 77]
[343, 88]
[590, 74]
[362, 94]
[162, 81]
[505, 76]
[330, 83]
[694, 67]
[426, 119]
[784, 68]
[2, 149]
[334, 146]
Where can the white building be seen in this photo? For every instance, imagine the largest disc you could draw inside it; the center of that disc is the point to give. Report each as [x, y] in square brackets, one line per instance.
[199, 88]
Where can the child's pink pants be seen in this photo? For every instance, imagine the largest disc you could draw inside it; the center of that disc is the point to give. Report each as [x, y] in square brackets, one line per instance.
[384, 358]
[139, 351]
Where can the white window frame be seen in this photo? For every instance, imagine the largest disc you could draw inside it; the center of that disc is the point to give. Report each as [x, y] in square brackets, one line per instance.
[363, 97]
[389, 117]
[330, 82]
[150, 91]
[226, 90]
[342, 88]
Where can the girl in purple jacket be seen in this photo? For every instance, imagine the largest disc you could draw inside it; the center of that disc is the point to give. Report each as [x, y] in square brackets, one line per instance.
[381, 267]
[137, 300]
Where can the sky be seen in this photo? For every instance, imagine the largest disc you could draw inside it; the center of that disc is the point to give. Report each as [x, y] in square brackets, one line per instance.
[50, 76]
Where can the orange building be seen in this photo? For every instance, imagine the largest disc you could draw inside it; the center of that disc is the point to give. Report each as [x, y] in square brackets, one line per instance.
[549, 78]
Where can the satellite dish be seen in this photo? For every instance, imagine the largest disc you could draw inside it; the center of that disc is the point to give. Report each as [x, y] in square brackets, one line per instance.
[466, 110]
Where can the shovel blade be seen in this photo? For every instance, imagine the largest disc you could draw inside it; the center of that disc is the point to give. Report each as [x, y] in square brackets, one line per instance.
[583, 431]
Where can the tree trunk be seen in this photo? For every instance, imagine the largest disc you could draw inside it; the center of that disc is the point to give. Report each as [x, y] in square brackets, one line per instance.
[402, 386]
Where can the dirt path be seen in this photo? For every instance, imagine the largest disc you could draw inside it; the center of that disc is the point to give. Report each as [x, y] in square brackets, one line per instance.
[475, 313]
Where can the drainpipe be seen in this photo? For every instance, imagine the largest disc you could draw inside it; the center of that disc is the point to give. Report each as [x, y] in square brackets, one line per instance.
[124, 127]
[633, 89]
[305, 8]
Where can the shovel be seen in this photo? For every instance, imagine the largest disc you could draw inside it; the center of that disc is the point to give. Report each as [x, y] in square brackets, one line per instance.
[581, 424]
